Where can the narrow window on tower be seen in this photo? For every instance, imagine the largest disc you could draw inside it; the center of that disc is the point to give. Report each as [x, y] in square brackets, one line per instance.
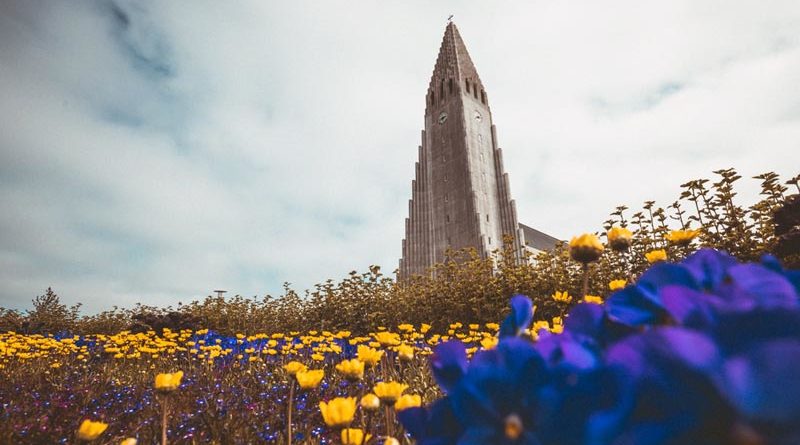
[483, 97]
[447, 218]
[467, 81]
[441, 91]
[450, 85]
[490, 240]
[475, 92]
[445, 178]
[487, 217]
[433, 98]
[446, 198]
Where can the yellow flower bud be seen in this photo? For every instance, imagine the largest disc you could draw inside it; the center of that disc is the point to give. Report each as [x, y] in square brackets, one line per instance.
[562, 297]
[168, 382]
[339, 412]
[370, 402]
[655, 256]
[90, 430]
[389, 392]
[585, 248]
[354, 436]
[351, 369]
[310, 379]
[617, 284]
[681, 237]
[619, 238]
[294, 367]
[407, 401]
[593, 299]
[368, 355]
[405, 353]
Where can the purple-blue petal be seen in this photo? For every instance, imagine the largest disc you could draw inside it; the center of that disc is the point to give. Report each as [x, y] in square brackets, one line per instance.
[449, 363]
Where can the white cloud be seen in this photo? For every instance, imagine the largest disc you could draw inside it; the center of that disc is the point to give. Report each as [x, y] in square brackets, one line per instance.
[153, 151]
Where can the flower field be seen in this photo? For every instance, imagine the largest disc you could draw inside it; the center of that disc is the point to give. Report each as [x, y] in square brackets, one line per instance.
[234, 389]
[654, 336]
[703, 351]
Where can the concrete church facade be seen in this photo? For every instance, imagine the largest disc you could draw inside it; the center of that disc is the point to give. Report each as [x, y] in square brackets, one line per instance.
[460, 195]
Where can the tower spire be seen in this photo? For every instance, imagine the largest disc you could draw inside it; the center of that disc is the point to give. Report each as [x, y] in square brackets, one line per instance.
[460, 196]
[454, 67]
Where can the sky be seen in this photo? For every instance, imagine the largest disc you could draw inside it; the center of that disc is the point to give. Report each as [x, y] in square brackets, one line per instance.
[152, 151]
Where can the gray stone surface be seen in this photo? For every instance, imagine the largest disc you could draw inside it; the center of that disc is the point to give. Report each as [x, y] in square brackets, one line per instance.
[460, 195]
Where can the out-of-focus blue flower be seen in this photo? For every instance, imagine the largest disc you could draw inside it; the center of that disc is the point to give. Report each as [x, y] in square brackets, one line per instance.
[449, 363]
[706, 351]
[520, 317]
[432, 425]
[492, 403]
[666, 392]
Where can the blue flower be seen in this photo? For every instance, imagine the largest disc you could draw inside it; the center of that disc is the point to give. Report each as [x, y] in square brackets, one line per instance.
[520, 317]
[706, 351]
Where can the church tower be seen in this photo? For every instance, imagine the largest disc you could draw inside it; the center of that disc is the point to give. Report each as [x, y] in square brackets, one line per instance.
[460, 195]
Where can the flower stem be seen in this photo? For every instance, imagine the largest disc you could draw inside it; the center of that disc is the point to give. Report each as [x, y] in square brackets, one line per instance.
[165, 409]
[289, 414]
[585, 280]
[388, 421]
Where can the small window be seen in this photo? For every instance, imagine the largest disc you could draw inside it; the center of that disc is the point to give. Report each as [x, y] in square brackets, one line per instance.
[433, 98]
[447, 218]
[483, 97]
[490, 240]
[487, 217]
[475, 92]
[467, 81]
[446, 198]
[445, 179]
[441, 91]
[450, 85]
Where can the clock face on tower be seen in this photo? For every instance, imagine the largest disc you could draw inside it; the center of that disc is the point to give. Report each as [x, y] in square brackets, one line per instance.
[442, 118]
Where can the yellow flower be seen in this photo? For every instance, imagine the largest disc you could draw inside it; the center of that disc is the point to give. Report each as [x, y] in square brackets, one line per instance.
[619, 238]
[387, 338]
[168, 382]
[489, 342]
[128, 441]
[562, 297]
[351, 369]
[368, 355]
[294, 367]
[656, 255]
[354, 436]
[681, 237]
[389, 392]
[424, 328]
[405, 353]
[593, 299]
[585, 248]
[616, 284]
[407, 401]
[370, 402]
[338, 412]
[309, 379]
[405, 327]
[91, 430]
[492, 326]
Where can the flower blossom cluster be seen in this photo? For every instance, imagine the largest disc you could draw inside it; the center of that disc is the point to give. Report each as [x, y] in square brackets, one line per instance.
[706, 351]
